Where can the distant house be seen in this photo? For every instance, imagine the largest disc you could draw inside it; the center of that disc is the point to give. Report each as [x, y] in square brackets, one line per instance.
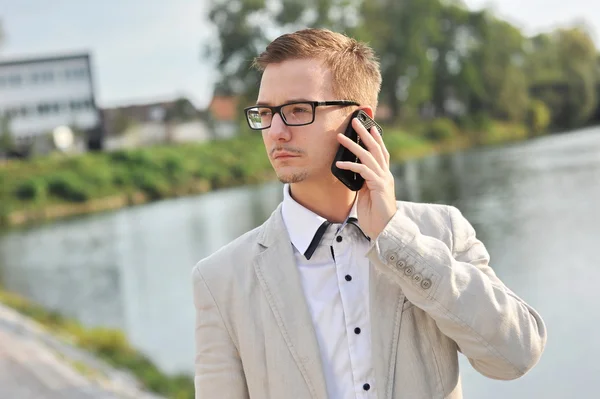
[40, 94]
[154, 123]
[223, 111]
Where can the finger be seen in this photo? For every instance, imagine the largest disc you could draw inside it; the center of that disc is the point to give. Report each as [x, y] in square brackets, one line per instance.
[365, 156]
[368, 138]
[379, 140]
[367, 173]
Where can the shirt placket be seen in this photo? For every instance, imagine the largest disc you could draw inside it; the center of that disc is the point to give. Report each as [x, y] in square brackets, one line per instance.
[352, 291]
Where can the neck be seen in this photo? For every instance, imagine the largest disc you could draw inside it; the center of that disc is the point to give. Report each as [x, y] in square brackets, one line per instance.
[331, 199]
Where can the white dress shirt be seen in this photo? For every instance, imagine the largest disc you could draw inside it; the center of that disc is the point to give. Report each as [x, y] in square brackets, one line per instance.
[335, 280]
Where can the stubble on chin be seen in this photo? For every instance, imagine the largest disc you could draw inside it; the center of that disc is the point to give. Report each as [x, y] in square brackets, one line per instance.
[293, 177]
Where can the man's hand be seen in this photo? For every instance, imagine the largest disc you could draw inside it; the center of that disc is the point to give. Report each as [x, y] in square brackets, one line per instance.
[377, 198]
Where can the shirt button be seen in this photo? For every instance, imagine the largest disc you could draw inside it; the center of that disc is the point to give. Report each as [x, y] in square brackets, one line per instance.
[357, 330]
[425, 284]
[348, 277]
[338, 238]
[366, 387]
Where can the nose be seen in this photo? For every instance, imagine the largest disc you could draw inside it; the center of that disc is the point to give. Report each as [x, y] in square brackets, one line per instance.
[278, 131]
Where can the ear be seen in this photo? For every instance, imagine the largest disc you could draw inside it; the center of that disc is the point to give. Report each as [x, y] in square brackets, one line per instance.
[368, 110]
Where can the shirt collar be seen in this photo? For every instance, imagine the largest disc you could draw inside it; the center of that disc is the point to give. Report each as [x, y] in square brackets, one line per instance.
[302, 224]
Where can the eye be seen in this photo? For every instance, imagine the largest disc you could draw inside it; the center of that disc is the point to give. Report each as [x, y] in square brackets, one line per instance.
[264, 112]
[301, 109]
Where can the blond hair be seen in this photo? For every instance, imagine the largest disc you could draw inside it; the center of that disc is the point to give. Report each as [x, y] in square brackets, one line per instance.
[353, 65]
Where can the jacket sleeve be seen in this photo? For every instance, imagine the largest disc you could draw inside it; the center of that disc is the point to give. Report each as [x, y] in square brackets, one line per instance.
[218, 367]
[501, 335]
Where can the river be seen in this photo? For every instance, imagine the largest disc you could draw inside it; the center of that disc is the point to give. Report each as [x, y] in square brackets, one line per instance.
[535, 205]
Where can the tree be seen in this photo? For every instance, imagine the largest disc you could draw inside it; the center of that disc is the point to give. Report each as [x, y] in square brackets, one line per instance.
[245, 27]
[400, 32]
[563, 67]
[578, 64]
[433, 53]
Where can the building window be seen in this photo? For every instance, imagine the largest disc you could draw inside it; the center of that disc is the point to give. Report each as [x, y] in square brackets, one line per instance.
[44, 109]
[48, 76]
[73, 74]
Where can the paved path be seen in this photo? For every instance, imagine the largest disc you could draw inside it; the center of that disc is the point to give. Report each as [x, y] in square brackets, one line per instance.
[33, 365]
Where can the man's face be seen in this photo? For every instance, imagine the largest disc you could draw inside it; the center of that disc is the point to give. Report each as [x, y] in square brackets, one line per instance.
[301, 153]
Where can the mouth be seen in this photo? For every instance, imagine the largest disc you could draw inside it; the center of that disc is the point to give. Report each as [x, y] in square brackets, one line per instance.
[284, 155]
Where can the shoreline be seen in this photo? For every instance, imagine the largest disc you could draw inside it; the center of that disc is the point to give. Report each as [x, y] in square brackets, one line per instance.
[105, 182]
[100, 356]
[44, 363]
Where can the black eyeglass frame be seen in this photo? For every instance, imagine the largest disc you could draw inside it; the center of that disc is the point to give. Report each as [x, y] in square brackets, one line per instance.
[277, 110]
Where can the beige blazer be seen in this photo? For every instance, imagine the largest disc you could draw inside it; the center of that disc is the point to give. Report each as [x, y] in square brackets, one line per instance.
[432, 294]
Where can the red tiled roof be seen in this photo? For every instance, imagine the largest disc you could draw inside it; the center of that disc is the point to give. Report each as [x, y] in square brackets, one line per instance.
[224, 108]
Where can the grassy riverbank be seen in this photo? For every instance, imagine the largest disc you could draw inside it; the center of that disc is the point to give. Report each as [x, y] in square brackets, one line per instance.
[108, 345]
[59, 186]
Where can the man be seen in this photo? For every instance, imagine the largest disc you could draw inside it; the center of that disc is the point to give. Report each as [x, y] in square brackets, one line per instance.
[343, 294]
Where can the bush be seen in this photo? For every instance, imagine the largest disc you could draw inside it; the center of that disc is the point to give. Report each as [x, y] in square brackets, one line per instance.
[441, 129]
[30, 189]
[476, 126]
[121, 178]
[151, 183]
[175, 169]
[134, 158]
[539, 117]
[68, 186]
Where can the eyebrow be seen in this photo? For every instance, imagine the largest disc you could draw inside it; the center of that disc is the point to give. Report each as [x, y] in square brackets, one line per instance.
[292, 100]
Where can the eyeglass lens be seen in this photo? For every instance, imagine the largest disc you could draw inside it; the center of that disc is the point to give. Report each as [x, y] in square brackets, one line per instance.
[293, 115]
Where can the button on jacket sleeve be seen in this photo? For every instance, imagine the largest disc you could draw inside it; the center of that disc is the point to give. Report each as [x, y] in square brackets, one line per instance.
[500, 334]
[219, 370]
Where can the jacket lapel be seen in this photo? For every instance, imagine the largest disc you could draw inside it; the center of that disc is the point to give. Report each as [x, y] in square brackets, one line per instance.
[386, 300]
[279, 278]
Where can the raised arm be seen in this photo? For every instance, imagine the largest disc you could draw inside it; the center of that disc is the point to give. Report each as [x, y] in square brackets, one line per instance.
[501, 335]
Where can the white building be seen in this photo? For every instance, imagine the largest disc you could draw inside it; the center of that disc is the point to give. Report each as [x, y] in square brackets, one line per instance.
[39, 94]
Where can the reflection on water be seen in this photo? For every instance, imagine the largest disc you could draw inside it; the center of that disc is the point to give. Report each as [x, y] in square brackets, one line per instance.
[534, 205]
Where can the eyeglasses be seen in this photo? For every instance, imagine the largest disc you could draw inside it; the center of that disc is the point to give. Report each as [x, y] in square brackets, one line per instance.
[297, 113]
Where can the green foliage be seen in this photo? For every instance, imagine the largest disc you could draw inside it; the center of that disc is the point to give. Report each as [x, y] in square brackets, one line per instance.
[175, 169]
[441, 129]
[403, 145]
[538, 117]
[502, 132]
[30, 189]
[68, 186]
[7, 142]
[157, 172]
[563, 67]
[151, 183]
[433, 53]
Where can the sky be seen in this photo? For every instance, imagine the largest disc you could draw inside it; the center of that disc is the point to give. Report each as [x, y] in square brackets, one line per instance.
[151, 50]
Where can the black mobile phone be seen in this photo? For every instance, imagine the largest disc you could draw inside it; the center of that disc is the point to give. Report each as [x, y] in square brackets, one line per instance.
[354, 181]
